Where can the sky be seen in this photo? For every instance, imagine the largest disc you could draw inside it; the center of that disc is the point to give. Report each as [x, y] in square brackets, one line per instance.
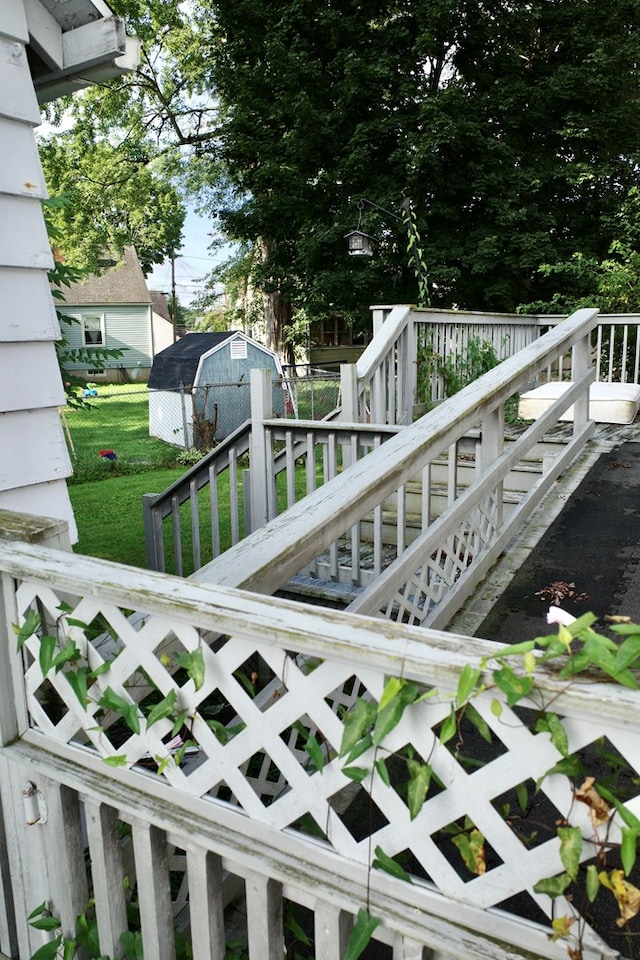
[193, 261]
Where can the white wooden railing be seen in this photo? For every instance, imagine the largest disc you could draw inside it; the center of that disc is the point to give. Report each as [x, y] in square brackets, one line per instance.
[113, 814]
[397, 372]
[425, 577]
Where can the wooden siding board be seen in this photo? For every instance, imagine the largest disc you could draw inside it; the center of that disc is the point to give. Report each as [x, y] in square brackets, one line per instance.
[26, 243]
[49, 499]
[17, 96]
[33, 449]
[20, 169]
[26, 375]
[13, 23]
[45, 34]
[27, 311]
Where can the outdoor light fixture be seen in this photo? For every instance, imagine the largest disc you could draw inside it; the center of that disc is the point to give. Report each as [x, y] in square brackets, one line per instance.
[361, 244]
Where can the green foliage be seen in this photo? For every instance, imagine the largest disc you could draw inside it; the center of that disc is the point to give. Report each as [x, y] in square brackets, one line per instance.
[577, 650]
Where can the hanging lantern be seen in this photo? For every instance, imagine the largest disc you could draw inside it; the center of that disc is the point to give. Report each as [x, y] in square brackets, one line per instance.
[359, 244]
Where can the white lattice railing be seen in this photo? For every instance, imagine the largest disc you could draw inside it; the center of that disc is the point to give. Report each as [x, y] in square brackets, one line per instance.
[250, 805]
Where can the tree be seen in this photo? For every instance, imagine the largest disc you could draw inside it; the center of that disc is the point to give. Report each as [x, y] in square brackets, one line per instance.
[118, 195]
[511, 125]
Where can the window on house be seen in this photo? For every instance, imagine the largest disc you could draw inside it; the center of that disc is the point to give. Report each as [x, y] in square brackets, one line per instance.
[93, 330]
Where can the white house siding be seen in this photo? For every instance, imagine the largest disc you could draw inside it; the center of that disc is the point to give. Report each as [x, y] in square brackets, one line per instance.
[34, 460]
[127, 328]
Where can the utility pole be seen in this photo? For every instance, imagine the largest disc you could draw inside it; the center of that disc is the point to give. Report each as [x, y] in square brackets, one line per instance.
[174, 312]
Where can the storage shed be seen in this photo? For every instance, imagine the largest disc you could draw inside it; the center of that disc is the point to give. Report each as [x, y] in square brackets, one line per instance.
[199, 387]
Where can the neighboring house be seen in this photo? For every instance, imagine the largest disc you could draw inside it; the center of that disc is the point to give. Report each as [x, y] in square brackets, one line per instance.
[115, 310]
[48, 49]
[199, 387]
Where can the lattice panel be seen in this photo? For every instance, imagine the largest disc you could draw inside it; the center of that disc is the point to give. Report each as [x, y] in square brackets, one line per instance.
[430, 582]
[252, 749]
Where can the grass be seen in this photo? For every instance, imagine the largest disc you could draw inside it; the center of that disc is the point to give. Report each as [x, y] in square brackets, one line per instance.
[117, 419]
[109, 515]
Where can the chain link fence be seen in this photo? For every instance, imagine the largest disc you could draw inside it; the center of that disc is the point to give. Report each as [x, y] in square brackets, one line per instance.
[128, 427]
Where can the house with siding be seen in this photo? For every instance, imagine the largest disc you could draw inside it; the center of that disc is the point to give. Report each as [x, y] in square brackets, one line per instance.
[115, 310]
[48, 48]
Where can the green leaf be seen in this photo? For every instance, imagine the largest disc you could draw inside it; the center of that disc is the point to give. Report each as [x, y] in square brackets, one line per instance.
[68, 654]
[471, 848]
[360, 935]
[45, 923]
[193, 663]
[356, 723]
[553, 886]
[28, 628]
[550, 723]
[628, 652]
[626, 815]
[118, 760]
[313, 748]
[389, 716]
[513, 686]
[45, 656]
[515, 649]
[496, 708]
[383, 773]
[479, 723]
[110, 700]
[628, 848]
[69, 951]
[77, 680]
[466, 683]
[593, 882]
[384, 862]
[523, 796]
[48, 951]
[39, 910]
[391, 689]
[162, 709]
[449, 727]
[355, 773]
[419, 781]
[361, 747]
[570, 849]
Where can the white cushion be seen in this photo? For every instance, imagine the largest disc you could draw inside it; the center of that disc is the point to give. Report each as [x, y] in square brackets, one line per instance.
[608, 402]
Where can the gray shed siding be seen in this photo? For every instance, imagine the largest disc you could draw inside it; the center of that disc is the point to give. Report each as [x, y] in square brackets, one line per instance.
[221, 392]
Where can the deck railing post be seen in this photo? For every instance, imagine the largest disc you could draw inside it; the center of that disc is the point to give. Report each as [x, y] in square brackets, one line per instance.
[261, 410]
[349, 391]
[580, 363]
[153, 547]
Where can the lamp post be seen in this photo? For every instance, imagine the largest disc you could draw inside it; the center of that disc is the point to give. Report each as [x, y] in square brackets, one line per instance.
[361, 244]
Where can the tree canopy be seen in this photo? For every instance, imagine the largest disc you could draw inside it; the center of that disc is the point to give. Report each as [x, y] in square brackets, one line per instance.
[512, 126]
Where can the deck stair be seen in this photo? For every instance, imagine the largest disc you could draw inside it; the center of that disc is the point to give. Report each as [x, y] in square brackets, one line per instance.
[337, 591]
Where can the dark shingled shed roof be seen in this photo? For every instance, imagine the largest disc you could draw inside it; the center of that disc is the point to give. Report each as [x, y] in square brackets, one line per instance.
[178, 363]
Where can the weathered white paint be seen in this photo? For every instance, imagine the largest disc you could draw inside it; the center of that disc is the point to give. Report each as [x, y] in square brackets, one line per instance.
[13, 22]
[33, 450]
[20, 170]
[260, 842]
[45, 34]
[28, 312]
[17, 96]
[26, 243]
[40, 389]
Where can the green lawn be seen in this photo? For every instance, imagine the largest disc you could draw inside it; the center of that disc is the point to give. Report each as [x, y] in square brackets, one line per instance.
[117, 419]
[109, 514]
